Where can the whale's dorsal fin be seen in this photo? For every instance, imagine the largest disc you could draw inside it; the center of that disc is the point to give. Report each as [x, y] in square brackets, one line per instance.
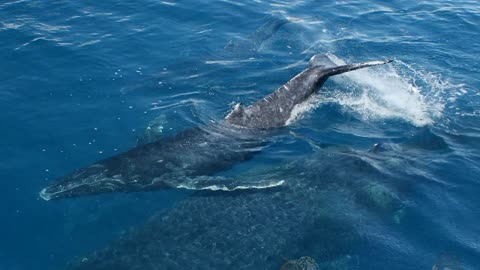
[322, 60]
[238, 112]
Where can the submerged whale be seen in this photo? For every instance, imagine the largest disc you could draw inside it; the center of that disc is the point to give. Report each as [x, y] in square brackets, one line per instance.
[318, 212]
[238, 49]
[191, 158]
[254, 41]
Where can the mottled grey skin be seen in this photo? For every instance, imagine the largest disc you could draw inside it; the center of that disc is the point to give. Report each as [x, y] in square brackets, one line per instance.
[317, 213]
[172, 162]
[192, 158]
[275, 109]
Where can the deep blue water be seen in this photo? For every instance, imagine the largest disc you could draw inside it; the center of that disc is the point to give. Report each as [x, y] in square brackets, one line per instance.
[81, 80]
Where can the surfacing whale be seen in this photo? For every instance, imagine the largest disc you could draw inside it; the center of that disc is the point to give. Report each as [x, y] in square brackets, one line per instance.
[191, 158]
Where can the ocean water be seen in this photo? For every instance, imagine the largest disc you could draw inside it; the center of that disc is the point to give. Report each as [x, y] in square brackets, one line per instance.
[390, 154]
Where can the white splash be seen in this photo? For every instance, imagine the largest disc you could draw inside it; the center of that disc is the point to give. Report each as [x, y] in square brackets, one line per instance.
[300, 109]
[385, 94]
[394, 91]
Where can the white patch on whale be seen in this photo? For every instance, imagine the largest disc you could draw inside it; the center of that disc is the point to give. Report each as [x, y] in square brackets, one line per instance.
[220, 187]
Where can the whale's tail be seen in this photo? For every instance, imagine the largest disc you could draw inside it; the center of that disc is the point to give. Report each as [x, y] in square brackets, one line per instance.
[329, 68]
[346, 68]
[275, 109]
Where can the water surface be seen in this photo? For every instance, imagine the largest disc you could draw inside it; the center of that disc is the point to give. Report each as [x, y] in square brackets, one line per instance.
[82, 80]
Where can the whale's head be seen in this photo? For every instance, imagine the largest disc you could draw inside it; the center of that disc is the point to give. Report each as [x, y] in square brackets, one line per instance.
[87, 181]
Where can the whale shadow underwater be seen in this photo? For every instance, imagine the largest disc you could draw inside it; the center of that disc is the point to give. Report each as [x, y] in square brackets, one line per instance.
[190, 159]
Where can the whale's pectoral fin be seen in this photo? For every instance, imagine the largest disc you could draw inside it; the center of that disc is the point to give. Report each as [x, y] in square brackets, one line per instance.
[217, 183]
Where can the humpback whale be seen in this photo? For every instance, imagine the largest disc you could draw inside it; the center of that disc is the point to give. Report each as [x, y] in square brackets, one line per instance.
[253, 42]
[191, 158]
[313, 214]
[237, 49]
